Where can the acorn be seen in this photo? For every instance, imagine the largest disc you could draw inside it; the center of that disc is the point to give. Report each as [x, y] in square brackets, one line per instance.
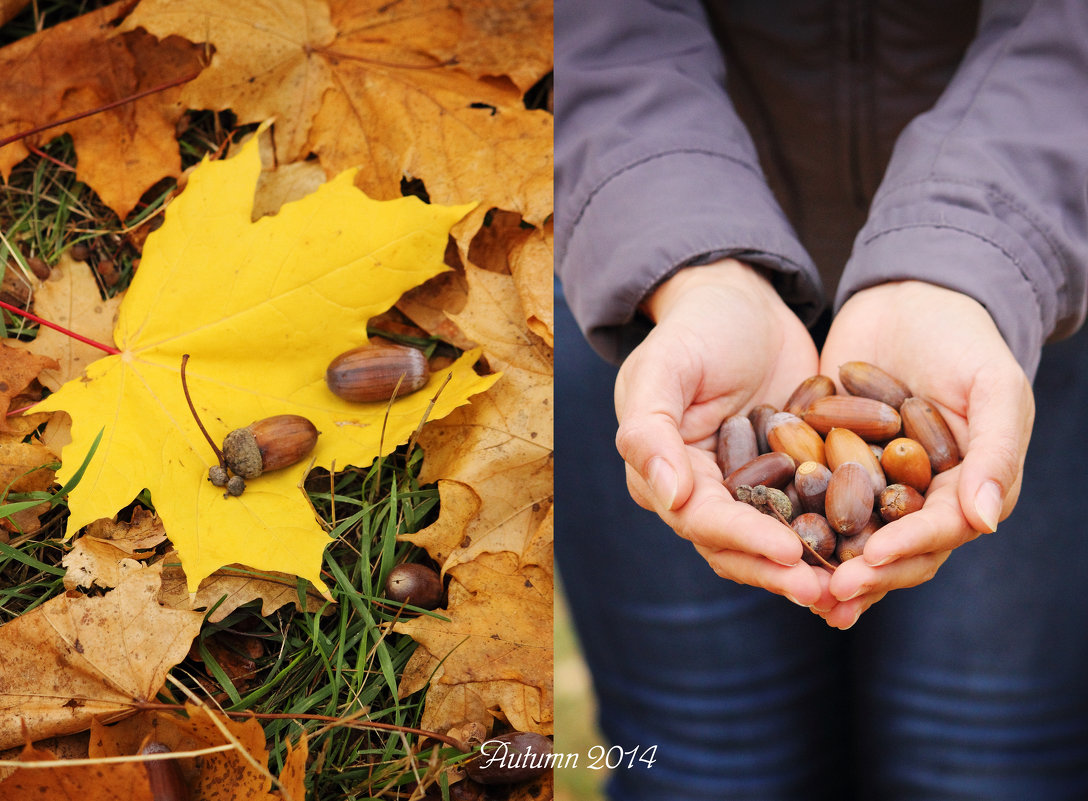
[770, 469]
[849, 500]
[924, 424]
[810, 482]
[899, 500]
[849, 547]
[813, 387]
[736, 443]
[510, 758]
[817, 534]
[842, 445]
[869, 381]
[269, 444]
[375, 371]
[788, 433]
[905, 461]
[872, 420]
[163, 775]
[760, 415]
[415, 584]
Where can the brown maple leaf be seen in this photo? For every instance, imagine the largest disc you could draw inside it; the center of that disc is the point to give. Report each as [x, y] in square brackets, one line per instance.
[17, 369]
[80, 66]
[376, 85]
[494, 652]
[501, 447]
[61, 667]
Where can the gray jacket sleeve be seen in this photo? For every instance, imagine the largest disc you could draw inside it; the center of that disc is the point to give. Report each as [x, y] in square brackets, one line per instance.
[987, 193]
[654, 170]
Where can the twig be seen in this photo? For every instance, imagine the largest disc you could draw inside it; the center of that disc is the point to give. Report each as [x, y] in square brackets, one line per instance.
[189, 400]
[453, 742]
[113, 104]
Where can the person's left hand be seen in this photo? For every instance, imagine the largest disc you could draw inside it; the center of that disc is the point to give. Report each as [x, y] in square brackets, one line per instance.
[947, 349]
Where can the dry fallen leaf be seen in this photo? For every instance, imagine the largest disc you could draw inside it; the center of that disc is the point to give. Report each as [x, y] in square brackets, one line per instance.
[70, 298]
[378, 84]
[82, 65]
[83, 781]
[17, 369]
[231, 587]
[76, 658]
[502, 446]
[221, 776]
[484, 655]
[261, 307]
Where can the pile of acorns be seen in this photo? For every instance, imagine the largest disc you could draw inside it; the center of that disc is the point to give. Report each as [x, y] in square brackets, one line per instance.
[837, 467]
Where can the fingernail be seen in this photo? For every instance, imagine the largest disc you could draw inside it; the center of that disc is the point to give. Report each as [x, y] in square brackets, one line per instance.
[988, 504]
[663, 481]
[790, 598]
[857, 617]
[886, 560]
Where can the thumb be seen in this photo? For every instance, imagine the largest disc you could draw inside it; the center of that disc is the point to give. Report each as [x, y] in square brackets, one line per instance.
[1000, 413]
[649, 405]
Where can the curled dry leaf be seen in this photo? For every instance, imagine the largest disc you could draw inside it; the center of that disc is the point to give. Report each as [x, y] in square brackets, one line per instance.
[59, 72]
[18, 368]
[222, 775]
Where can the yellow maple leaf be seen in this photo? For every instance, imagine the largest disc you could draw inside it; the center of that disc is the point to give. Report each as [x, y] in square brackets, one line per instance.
[261, 307]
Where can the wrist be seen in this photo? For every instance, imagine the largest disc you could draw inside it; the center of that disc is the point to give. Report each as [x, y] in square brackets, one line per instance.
[729, 274]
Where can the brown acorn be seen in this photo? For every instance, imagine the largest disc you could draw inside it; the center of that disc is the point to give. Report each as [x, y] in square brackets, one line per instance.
[374, 371]
[905, 461]
[869, 381]
[842, 445]
[769, 469]
[924, 424]
[788, 433]
[164, 776]
[810, 482]
[813, 387]
[872, 420]
[760, 415]
[269, 444]
[510, 758]
[736, 443]
[849, 547]
[899, 500]
[849, 500]
[415, 584]
[813, 529]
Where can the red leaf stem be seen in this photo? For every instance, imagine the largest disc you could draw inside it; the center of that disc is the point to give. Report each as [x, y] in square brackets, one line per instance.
[62, 329]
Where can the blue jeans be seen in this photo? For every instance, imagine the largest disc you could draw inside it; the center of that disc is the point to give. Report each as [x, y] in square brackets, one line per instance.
[973, 686]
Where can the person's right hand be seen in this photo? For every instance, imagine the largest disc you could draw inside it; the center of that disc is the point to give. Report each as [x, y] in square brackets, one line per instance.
[723, 342]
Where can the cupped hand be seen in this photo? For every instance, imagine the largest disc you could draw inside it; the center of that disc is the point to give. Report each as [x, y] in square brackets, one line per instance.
[946, 348]
[723, 342]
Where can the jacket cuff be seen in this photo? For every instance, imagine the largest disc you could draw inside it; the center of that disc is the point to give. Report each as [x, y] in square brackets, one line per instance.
[965, 251]
[661, 212]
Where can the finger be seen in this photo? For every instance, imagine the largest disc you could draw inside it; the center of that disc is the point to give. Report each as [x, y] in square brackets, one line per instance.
[712, 519]
[1000, 414]
[855, 578]
[846, 614]
[649, 405]
[939, 525]
[799, 583]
